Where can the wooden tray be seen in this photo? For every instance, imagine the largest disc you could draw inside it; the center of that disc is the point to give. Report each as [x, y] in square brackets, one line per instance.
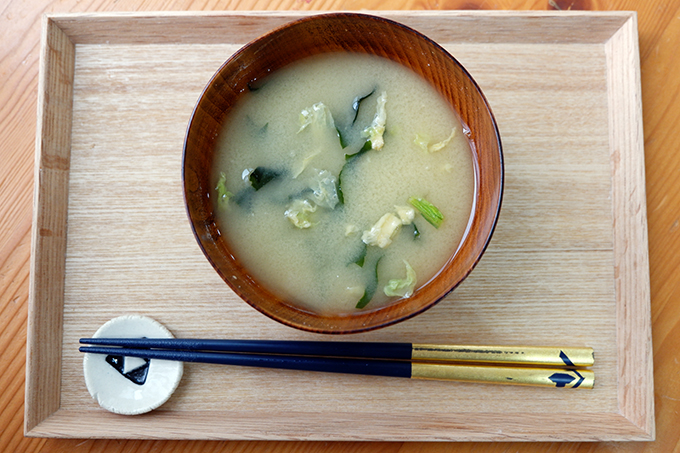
[568, 264]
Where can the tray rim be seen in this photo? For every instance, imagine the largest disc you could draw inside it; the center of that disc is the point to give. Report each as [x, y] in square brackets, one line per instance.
[43, 415]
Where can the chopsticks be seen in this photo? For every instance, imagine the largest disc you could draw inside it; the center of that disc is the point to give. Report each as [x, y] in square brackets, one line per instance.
[538, 366]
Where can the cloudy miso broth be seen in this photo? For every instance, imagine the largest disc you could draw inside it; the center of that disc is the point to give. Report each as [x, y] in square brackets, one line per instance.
[343, 182]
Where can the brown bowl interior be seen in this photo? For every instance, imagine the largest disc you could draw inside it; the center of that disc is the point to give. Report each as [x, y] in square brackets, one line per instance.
[337, 33]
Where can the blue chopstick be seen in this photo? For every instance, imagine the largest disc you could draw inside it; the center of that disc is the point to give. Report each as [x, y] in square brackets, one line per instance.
[373, 350]
[389, 368]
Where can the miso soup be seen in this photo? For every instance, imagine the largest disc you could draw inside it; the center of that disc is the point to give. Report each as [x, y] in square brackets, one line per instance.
[343, 182]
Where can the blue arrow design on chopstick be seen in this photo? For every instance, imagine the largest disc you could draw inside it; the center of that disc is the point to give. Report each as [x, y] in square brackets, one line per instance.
[568, 362]
[561, 379]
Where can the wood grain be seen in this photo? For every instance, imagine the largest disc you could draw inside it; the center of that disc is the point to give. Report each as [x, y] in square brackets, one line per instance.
[48, 239]
[659, 30]
[125, 146]
[632, 269]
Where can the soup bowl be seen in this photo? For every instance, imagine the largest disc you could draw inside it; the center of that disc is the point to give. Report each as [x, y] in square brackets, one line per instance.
[326, 33]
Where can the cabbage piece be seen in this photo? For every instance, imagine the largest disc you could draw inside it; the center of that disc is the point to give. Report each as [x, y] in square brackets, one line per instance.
[324, 189]
[383, 231]
[375, 131]
[299, 213]
[318, 119]
[318, 114]
[351, 230]
[402, 287]
[438, 146]
[406, 214]
[223, 195]
[424, 143]
[305, 163]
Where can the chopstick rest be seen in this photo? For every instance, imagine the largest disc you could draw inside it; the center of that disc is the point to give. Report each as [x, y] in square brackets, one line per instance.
[380, 359]
[131, 385]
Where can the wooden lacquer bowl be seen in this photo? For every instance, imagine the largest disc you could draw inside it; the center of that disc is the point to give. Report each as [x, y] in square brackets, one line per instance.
[341, 32]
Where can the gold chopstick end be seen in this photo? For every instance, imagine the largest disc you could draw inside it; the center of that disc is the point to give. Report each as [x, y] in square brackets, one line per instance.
[542, 377]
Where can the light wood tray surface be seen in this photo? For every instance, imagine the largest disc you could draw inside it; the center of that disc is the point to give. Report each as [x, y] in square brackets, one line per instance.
[567, 266]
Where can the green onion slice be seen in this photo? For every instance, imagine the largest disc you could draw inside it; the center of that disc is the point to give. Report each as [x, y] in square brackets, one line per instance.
[429, 211]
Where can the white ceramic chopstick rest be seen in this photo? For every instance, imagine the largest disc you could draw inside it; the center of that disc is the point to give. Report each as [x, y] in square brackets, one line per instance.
[128, 385]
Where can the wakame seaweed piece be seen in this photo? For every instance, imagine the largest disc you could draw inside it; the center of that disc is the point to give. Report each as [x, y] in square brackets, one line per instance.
[303, 193]
[255, 84]
[343, 143]
[366, 298]
[357, 103]
[372, 286]
[257, 129]
[416, 231]
[361, 257]
[244, 198]
[341, 196]
[349, 158]
[366, 147]
[261, 176]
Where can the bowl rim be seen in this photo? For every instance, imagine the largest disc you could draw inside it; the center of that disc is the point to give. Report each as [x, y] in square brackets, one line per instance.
[494, 214]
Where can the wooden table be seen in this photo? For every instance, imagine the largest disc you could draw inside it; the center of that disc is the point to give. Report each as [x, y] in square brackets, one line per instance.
[659, 32]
